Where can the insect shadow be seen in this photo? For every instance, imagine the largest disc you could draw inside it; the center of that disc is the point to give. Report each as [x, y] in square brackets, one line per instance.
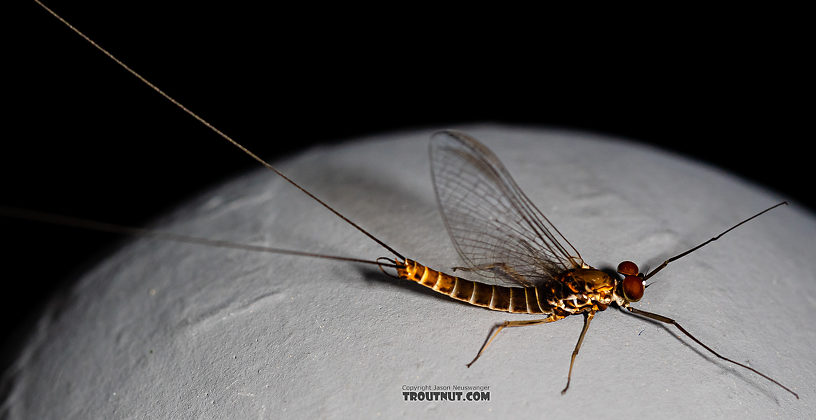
[360, 182]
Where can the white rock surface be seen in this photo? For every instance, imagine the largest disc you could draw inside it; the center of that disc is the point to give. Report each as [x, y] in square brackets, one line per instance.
[169, 330]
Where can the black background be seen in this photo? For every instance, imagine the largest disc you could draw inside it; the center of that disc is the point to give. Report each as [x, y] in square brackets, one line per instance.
[84, 138]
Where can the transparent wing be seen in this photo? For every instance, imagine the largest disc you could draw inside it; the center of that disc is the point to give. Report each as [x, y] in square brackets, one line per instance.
[497, 231]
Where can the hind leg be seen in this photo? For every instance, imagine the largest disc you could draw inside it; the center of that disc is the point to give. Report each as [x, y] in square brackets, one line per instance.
[499, 327]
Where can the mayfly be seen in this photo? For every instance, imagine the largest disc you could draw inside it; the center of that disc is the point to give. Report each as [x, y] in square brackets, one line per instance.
[522, 262]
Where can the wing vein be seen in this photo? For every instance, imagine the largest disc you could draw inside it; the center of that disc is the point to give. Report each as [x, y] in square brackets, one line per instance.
[498, 232]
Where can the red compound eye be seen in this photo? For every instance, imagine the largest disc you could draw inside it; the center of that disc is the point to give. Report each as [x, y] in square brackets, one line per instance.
[633, 288]
[628, 268]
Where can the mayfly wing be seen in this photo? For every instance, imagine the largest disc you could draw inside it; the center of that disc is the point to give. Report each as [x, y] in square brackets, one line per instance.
[497, 231]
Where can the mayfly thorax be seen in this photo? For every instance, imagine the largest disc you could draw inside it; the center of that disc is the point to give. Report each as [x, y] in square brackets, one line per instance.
[515, 259]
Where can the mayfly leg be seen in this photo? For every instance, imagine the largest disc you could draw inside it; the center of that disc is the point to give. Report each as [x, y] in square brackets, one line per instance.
[677, 257]
[667, 320]
[587, 319]
[503, 325]
[499, 327]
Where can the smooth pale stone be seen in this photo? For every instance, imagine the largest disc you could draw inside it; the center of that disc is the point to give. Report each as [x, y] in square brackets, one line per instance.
[170, 330]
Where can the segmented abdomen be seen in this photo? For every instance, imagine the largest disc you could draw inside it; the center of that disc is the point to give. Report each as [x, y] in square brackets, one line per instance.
[498, 298]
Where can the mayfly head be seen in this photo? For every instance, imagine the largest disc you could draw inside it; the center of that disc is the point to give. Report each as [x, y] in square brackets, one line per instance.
[633, 284]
